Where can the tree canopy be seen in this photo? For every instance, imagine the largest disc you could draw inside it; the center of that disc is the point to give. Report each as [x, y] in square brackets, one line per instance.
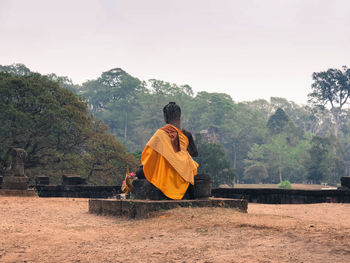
[54, 127]
[331, 87]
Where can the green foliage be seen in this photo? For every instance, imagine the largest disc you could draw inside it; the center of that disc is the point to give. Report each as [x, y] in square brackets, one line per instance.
[137, 155]
[212, 160]
[256, 173]
[285, 185]
[278, 121]
[331, 87]
[56, 130]
[16, 69]
[325, 160]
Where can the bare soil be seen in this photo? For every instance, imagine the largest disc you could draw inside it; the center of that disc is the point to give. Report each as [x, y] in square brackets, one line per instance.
[36, 229]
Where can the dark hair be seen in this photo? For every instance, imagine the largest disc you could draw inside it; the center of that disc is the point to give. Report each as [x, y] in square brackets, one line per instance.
[172, 112]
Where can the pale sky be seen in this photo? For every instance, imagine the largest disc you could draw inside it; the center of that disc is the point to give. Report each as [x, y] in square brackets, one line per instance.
[249, 49]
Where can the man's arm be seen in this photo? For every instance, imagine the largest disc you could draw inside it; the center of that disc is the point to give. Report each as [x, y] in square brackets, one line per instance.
[192, 149]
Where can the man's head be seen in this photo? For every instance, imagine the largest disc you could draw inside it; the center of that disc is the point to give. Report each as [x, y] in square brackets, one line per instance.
[172, 112]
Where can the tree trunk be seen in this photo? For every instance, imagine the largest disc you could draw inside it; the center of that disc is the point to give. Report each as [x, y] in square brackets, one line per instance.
[126, 125]
[280, 174]
[336, 115]
[235, 159]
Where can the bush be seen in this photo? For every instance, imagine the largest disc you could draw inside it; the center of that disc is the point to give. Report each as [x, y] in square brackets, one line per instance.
[285, 185]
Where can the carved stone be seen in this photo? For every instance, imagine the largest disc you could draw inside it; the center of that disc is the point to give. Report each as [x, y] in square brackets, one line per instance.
[15, 178]
[15, 182]
[72, 179]
[202, 186]
[17, 167]
[42, 180]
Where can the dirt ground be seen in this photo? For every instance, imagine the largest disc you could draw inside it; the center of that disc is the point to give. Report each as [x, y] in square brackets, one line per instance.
[62, 230]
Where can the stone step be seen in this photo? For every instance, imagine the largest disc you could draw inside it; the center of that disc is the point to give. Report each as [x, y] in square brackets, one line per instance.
[9, 192]
[143, 208]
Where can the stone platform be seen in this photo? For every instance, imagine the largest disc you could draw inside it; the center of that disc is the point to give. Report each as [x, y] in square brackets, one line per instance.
[9, 192]
[143, 208]
[284, 196]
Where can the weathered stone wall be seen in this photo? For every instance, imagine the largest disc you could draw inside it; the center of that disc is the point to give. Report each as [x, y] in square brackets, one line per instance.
[79, 191]
[284, 196]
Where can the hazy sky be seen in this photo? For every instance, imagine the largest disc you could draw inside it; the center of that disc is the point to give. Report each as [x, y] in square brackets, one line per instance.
[247, 48]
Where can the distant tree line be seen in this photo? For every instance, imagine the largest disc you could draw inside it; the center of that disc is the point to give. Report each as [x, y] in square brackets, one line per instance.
[255, 142]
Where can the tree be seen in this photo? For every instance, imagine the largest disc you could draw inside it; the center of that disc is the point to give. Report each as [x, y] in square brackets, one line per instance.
[331, 87]
[106, 157]
[113, 98]
[64, 82]
[278, 121]
[277, 155]
[42, 118]
[212, 160]
[262, 106]
[325, 161]
[318, 162]
[51, 124]
[241, 131]
[16, 69]
[256, 173]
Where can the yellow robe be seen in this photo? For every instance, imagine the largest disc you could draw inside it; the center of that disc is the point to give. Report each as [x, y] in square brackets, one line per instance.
[169, 171]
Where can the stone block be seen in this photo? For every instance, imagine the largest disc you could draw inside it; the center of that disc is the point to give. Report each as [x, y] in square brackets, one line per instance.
[202, 186]
[11, 192]
[144, 208]
[42, 180]
[111, 207]
[345, 181]
[72, 179]
[15, 182]
[95, 206]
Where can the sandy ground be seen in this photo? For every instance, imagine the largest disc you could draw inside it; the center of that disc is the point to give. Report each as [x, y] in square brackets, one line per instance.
[62, 230]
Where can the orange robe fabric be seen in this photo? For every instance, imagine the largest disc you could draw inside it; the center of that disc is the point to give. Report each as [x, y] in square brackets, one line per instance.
[170, 171]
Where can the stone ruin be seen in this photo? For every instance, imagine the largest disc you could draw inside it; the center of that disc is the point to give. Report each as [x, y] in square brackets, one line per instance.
[72, 179]
[14, 177]
[345, 183]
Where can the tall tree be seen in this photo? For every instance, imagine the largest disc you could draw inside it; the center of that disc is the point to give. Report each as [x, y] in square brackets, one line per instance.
[278, 121]
[331, 88]
[318, 164]
[112, 98]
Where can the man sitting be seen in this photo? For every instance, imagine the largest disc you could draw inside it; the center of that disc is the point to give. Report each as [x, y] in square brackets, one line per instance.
[166, 160]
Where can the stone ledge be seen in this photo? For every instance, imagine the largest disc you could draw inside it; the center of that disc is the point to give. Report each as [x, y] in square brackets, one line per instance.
[284, 196]
[143, 208]
[8, 192]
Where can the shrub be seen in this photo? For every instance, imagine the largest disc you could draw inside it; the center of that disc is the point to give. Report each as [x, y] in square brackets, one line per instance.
[285, 185]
